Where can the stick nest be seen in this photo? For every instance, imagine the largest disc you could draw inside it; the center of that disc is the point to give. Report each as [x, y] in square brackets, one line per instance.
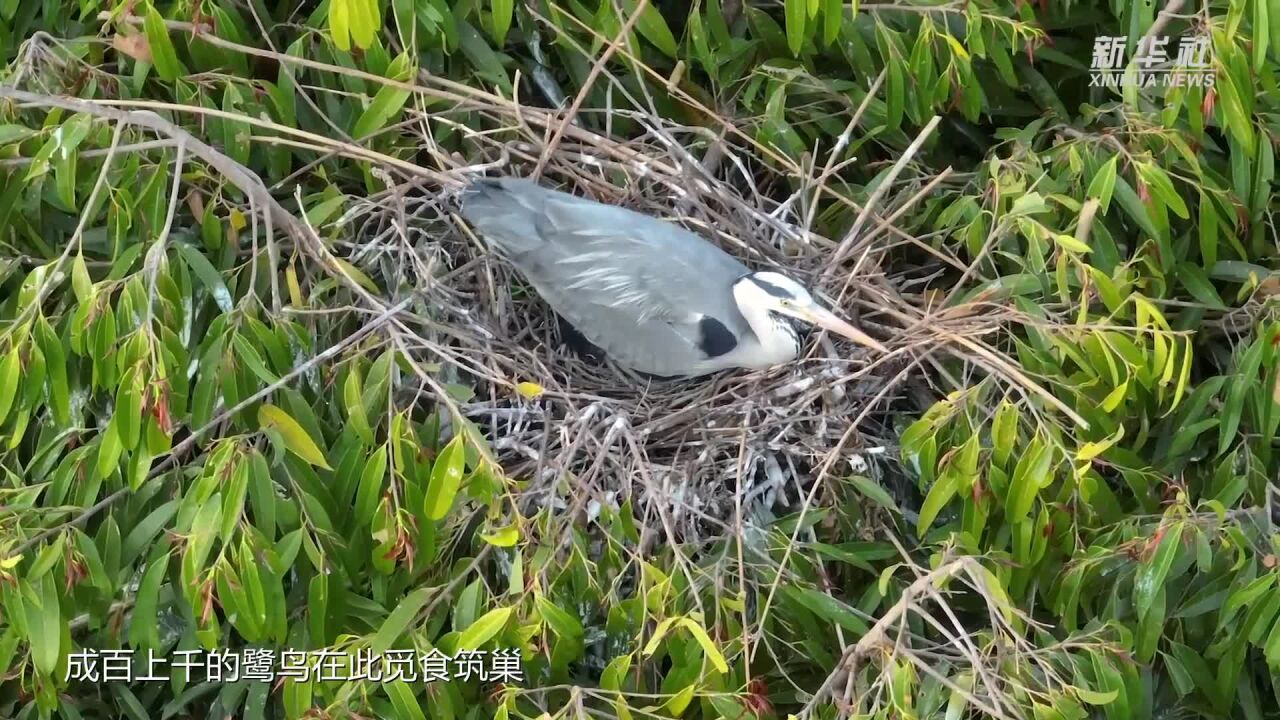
[700, 453]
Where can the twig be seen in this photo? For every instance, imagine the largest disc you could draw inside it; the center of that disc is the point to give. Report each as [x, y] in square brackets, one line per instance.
[881, 189]
[1166, 15]
[878, 633]
[98, 152]
[586, 87]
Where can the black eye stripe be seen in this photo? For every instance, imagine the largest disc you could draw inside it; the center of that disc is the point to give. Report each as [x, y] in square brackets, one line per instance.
[772, 289]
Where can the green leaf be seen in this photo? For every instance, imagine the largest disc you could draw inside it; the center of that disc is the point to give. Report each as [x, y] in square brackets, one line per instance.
[1179, 675]
[128, 410]
[561, 622]
[679, 702]
[249, 355]
[352, 392]
[1029, 204]
[1233, 407]
[233, 501]
[209, 276]
[1196, 666]
[109, 449]
[446, 478]
[653, 27]
[386, 104]
[10, 367]
[81, 285]
[1261, 33]
[1161, 187]
[46, 634]
[10, 134]
[1231, 112]
[1132, 205]
[895, 82]
[872, 490]
[1004, 432]
[295, 438]
[163, 55]
[143, 627]
[502, 11]
[204, 531]
[1196, 281]
[615, 673]
[483, 629]
[398, 621]
[145, 531]
[1030, 475]
[319, 213]
[406, 705]
[832, 20]
[939, 495]
[371, 481]
[796, 15]
[1208, 227]
[1104, 183]
[1151, 576]
[1246, 595]
[827, 608]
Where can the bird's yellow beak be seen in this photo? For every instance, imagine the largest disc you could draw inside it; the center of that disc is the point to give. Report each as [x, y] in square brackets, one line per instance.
[828, 320]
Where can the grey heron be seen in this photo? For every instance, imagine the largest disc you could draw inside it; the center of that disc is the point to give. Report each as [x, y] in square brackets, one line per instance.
[655, 297]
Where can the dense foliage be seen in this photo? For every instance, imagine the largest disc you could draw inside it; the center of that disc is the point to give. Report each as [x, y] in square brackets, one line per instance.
[204, 443]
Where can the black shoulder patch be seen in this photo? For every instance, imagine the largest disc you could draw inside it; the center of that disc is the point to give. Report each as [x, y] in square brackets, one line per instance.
[772, 289]
[716, 338]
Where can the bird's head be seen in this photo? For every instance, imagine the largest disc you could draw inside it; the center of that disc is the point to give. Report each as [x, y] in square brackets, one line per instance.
[777, 293]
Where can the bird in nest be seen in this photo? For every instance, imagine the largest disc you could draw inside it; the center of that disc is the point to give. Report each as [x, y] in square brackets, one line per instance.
[653, 296]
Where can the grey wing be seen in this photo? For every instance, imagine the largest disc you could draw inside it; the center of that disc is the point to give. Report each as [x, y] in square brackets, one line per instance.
[637, 287]
[647, 311]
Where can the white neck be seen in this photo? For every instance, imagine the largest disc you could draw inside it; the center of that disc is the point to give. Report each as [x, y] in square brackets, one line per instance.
[774, 342]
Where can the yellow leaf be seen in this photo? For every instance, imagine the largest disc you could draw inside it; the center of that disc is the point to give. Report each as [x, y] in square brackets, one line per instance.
[1096, 698]
[620, 708]
[504, 537]
[1071, 244]
[680, 701]
[340, 23]
[1115, 397]
[529, 390]
[10, 562]
[659, 633]
[295, 438]
[295, 290]
[363, 21]
[708, 648]
[1091, 450]
[956, 47]
[354, 273]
